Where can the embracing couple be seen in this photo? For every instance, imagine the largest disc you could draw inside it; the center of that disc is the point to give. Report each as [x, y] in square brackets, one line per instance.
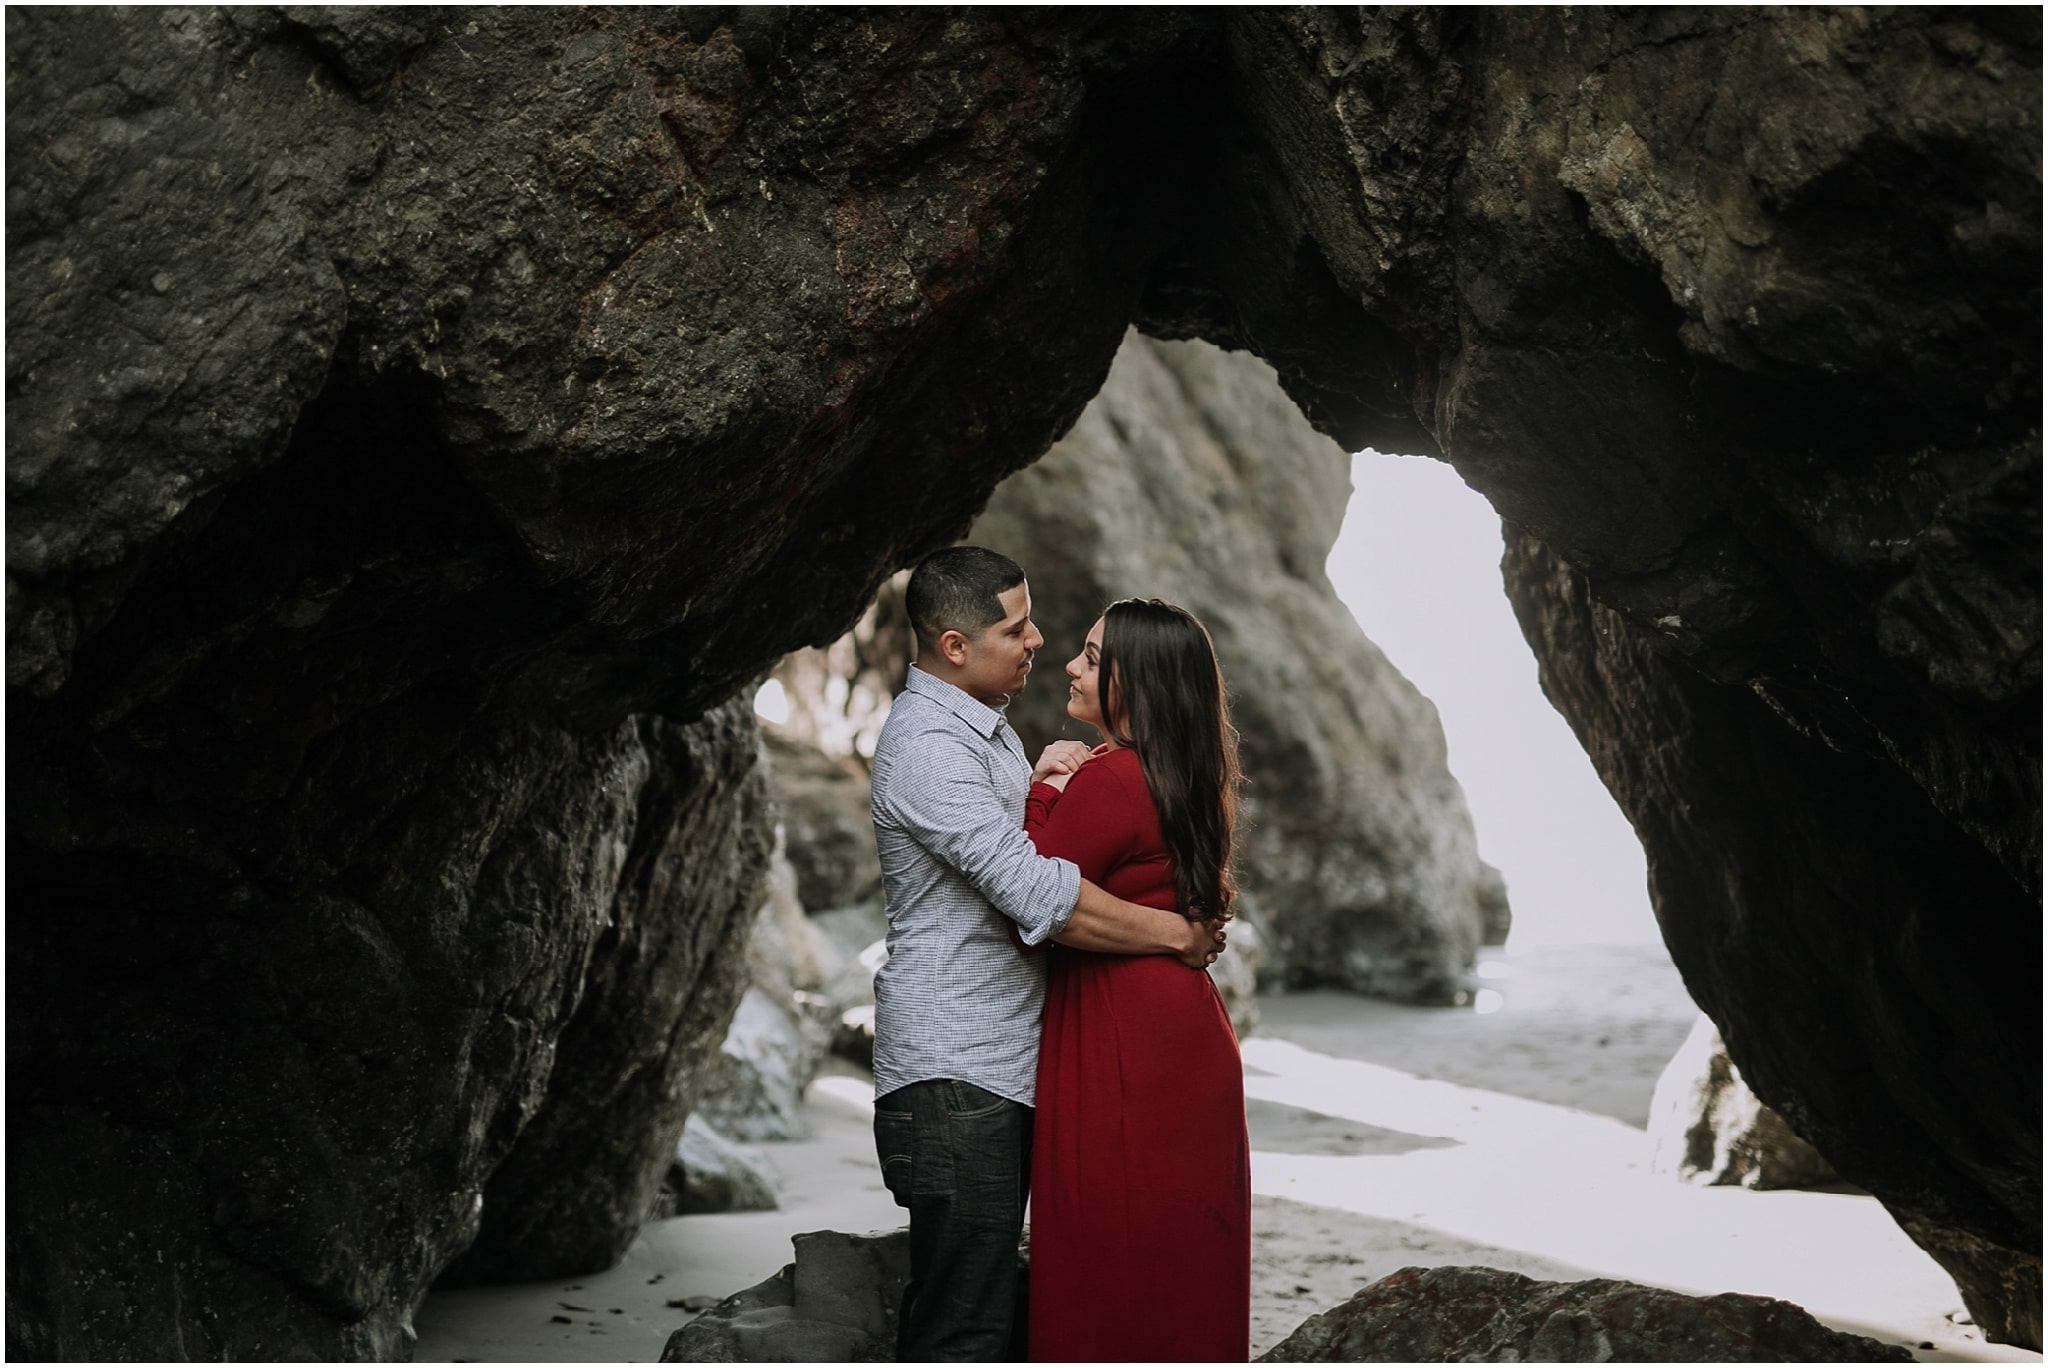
[1049, 928]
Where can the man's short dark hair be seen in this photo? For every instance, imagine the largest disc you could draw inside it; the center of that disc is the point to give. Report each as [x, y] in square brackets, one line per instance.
[958, 589]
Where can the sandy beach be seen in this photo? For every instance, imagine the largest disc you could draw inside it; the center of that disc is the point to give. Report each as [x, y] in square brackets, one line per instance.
[1382, 1137]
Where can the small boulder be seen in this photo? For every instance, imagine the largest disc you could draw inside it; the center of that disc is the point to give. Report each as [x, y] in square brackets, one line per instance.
[836, 1303]
[783, 1027]
[831, 836]
[853, 1038]
[789, 956]
[858, 937]
[758, 1080]
[1484, 1315]
[1707, 1128]
[853, 929]
[712, 1173]
[1496, 917]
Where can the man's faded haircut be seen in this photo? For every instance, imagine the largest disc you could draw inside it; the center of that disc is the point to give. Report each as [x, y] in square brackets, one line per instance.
[958, 589]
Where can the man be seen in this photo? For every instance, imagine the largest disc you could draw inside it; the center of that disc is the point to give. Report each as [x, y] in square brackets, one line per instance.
[956, 1006]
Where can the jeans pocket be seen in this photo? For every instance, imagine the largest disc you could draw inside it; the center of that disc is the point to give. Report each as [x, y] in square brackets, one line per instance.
[897, 1177]
[966, 1102]
[895, 1142]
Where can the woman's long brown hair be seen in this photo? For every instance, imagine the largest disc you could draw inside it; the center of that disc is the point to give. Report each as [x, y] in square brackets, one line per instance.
[1162, 695]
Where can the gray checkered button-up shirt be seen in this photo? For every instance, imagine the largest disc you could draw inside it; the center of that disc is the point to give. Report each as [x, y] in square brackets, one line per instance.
[956, 999]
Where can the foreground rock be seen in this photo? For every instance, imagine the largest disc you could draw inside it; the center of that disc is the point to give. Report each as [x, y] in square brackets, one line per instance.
[1193, 477]
[1771, 438]
[1708, 1128]
[837, 1303]
[657, 989]
[1484, 1315]
[1753, 875]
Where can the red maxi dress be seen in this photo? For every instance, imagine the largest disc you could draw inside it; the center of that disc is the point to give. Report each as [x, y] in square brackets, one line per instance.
[1141, 1194]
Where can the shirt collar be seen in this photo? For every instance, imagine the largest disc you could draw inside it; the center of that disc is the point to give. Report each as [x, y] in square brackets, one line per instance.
[955, 700]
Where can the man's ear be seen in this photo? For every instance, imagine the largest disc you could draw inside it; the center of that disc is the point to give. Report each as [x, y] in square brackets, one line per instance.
[953, 646]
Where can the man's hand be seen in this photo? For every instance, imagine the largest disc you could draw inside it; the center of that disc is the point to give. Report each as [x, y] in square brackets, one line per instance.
[1057, 763]
[1205, 942]
[1108, 925]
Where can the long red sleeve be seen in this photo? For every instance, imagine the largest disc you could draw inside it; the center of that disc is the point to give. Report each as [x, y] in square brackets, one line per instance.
[1093, 823]
[1105, 823]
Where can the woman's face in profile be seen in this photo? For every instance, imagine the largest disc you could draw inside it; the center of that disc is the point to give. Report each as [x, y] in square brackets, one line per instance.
[1084, 699]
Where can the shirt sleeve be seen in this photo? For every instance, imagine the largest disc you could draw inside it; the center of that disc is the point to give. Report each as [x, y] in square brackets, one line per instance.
[951, 808]
[1092, 823]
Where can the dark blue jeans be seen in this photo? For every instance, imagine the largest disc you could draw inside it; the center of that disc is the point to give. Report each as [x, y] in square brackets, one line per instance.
[959, 1157]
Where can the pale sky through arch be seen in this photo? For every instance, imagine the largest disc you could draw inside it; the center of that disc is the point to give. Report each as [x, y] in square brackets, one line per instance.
[1418, 564]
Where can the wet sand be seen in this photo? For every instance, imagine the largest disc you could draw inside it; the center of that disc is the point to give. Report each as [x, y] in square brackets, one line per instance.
[1382, 1137]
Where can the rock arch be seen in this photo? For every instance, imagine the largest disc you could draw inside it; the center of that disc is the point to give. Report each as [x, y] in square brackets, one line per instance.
[422, 423]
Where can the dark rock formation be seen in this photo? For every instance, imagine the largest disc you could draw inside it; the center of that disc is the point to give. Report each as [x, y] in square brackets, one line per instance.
[399, 404]
[1193, 478]
[628, 1065]
[420, 421]
[1483, 1315]
[308, 1098]
[1806, 892]
[1708, 1128]
[1496, 917]
[1735, 315]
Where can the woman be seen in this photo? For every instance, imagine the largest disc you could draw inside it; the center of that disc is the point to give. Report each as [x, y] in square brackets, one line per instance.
[1141, 1168]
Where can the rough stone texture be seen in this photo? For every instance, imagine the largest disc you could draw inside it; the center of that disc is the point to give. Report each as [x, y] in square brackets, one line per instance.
[754, 1086]
[757, 1083]
[828, 832]
[1708, 1128]
[837, 1303]
[1193, 478]
[1995, 1280]
[1806, 893]
[711, 1173]
[616, 250]
[1737, 313]
[1483, 1315]
[661, 982]
[402, 401]
[310, 1098]
[398, 403]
